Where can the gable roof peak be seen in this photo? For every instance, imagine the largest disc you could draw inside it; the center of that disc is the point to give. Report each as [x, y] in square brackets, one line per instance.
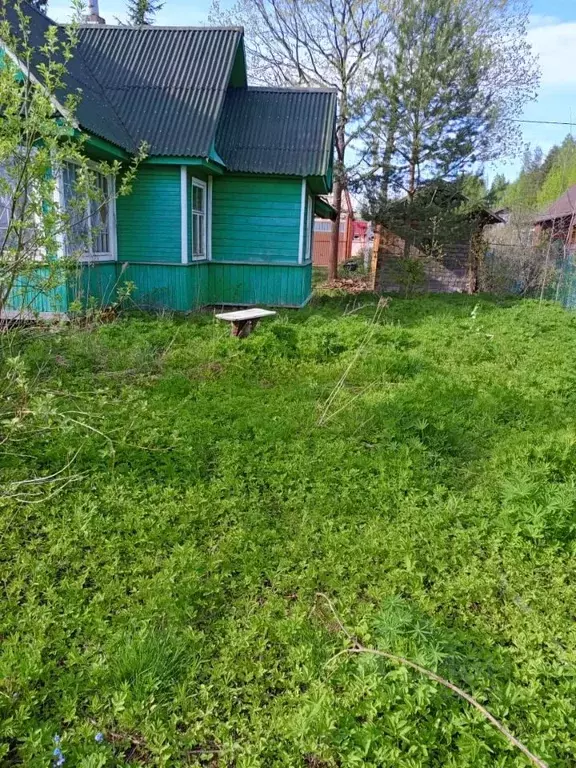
[159, 28]
[292, 89]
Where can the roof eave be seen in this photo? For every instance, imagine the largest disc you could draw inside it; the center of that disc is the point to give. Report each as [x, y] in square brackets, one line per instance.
[204, 163]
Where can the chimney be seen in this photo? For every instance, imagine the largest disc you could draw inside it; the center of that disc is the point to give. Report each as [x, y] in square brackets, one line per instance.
[93, 16]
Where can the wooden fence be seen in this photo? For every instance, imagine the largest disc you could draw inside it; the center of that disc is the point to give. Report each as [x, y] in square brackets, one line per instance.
[322, 244]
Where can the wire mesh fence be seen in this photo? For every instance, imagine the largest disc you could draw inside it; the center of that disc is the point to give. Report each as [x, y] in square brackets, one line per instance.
[511, 259]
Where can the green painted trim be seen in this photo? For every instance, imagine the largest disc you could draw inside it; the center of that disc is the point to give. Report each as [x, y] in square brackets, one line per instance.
[195, 263]
[216, 157]
[251, 174]
[101, 145]
[323, 209]
[197, 162]
[238, 77]
[233, 263]
[320, 185]
[199, 262]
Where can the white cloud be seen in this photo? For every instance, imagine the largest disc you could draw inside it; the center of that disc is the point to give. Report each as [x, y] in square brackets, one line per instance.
[555, 44]
[541, 20]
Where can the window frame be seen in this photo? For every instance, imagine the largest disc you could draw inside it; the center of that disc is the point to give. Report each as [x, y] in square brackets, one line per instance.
[40, 254]
[92, 256]
[195, 182]
[309, 233]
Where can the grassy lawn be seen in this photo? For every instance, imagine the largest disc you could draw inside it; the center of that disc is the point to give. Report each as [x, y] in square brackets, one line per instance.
[161, 588]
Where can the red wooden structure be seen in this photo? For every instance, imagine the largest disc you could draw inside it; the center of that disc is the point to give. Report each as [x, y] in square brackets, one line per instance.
[322, 245]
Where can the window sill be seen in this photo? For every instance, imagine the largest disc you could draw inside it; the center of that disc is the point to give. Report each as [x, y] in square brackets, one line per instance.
[96, 259]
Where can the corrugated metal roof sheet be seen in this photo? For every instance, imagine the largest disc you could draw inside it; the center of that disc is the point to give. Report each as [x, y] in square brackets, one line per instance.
[561, 208]
[166, 84]
[281, 131]
[94, 111]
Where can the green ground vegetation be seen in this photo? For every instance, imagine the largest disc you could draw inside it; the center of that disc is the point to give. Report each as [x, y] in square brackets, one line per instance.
[416, 463]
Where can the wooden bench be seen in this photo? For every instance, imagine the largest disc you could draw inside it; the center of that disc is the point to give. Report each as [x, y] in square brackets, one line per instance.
[244, 321]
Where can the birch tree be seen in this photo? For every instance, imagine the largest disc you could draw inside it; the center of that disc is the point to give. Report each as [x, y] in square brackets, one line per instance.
[329, 43]
[445, 98]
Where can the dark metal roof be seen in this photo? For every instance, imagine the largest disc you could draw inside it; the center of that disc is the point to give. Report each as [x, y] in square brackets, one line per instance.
[94, 112]
[280, 131]
[562, 208]
[169, 87]
[167, 84]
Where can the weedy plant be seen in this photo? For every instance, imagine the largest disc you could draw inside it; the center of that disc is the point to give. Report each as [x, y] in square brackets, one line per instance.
[159, 587]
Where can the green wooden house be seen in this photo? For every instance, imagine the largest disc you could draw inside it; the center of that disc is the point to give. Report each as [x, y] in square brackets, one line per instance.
[222, 209]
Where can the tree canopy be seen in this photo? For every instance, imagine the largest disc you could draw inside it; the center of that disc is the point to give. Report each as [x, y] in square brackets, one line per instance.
[543, 178]
[141, 13]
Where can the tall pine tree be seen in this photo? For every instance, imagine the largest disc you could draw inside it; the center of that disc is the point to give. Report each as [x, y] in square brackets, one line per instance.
[141, 13]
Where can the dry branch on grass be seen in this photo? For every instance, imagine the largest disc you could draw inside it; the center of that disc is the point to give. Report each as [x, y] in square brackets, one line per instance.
[351, 285]
[356, 647]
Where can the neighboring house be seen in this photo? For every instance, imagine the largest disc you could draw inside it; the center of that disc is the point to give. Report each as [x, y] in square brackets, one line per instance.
[362, 238]
[558, 221]
[323, 233]
[222, 209]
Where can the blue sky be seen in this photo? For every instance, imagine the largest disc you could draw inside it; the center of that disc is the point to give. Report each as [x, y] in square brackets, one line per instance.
[552, 35]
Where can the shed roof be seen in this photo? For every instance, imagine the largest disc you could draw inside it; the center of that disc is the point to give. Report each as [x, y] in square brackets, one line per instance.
[563, 207]
[277, 130]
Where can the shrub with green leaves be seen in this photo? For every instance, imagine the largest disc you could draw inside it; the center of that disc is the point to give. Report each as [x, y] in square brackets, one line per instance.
[174, 499]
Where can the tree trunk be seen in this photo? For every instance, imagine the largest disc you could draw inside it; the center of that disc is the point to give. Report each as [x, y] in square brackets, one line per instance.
[378, 257]
[335, 239]
[339, 183]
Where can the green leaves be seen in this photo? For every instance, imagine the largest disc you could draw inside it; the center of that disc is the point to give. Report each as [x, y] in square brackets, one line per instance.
[165, 598]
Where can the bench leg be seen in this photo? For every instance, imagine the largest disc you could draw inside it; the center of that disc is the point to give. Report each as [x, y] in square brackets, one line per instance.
[243, 328]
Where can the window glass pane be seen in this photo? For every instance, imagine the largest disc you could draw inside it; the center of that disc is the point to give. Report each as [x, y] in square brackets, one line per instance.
[5, 204]
[308, 224]
[18, 224]
[99, 217]
[89, 226]
[198, 222]
[198, 235]
[77, 235]
[197, 198]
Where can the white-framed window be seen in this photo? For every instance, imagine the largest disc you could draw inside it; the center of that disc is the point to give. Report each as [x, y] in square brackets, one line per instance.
[19, 220]
[308, 228]
[322, 226]
[199, 219]
[91, 235]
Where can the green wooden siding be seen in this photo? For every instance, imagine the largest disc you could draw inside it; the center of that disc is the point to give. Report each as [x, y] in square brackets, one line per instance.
[94, 283]
[256, 219]
[255, 247]
[149, 217]
[43, 290]
[178, 288]
[260, 284]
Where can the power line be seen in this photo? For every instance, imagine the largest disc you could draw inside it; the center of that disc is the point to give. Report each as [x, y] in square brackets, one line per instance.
[541, 122]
